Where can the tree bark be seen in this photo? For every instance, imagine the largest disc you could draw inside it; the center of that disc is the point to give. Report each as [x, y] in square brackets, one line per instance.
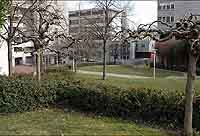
[189, 94]
[104, 59]
[34, 65]
[75, 65]
[10, 61]
[41, 62]
[9, 42]
[38, 65]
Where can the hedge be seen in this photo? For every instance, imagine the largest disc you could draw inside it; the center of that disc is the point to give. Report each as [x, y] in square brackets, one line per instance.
[18, 95]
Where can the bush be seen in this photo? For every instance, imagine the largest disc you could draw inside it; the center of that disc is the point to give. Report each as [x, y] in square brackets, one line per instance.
[18, 95]
[147, 104]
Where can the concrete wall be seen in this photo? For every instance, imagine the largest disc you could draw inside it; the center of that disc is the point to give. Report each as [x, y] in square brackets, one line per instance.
[4, 58]
[22, 54]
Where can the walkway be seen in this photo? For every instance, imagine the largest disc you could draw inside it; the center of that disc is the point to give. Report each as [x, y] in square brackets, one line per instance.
[113, 75]
[132, 76]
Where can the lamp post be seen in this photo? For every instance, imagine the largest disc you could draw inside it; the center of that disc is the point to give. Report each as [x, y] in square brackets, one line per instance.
[154, 63]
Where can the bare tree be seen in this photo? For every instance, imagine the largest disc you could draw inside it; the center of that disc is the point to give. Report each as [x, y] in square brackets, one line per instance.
[16, 12]
[188, 30]
[105, 32]
[42, 30]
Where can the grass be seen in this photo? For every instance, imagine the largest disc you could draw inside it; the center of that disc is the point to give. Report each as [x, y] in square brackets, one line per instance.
[57, 122]
[159, 83]
[132, 70]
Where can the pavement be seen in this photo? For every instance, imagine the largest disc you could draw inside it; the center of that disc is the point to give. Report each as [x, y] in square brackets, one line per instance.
[113, 75]
[23, 69]
[132, 76]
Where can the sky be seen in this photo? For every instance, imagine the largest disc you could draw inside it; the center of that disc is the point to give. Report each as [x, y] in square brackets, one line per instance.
[138, 11]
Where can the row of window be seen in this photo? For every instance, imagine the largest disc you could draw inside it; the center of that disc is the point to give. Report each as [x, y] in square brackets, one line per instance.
[86, 21]
[84, 29]
[20, 49]
[168, 19]
[166, 6]
[86, 13]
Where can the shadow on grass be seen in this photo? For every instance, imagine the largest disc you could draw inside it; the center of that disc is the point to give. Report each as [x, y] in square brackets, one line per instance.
[163, 127]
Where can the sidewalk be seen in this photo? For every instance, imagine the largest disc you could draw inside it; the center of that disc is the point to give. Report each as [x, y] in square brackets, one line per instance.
[113, 75]
[131, 76]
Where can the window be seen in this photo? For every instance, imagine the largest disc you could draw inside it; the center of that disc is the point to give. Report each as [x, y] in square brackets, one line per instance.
[163, 19]
[168, 19]
[18, 61]
[159, 7]
[18, 49]
[73, 14]
[97, 12]
[29, 60]
[172, 19]
[85, 13]
[73, 22]
[164, 6]
[85, 21]
[168, 6]
[172, 6]
[28, 49]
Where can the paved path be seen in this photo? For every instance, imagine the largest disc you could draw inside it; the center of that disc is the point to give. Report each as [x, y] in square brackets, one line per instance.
[113, 75]
[132, 76]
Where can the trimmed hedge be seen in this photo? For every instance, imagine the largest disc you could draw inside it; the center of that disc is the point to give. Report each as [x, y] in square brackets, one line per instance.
[18, 95]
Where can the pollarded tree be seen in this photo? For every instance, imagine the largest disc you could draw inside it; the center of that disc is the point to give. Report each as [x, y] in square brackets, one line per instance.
[110, 13]
[15, 14]
[42, 29]
[188, 30]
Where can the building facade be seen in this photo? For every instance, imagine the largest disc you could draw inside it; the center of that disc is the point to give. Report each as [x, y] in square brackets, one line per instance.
[22, 52]
[170, 11]
[84, 22]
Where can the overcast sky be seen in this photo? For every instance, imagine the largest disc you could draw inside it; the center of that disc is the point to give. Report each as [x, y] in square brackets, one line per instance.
[138, 11]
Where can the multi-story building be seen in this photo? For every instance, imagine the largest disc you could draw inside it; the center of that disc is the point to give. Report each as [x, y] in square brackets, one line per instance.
[86, 21]
[170, 11]
[21, 52]
[171, 52]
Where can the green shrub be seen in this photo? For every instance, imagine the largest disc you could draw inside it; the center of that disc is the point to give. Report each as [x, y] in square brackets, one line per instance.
[148, 104]
[59, 73]
[18, 95]
[24, 95]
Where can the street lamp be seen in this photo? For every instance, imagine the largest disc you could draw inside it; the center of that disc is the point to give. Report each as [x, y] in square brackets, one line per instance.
[154, 63]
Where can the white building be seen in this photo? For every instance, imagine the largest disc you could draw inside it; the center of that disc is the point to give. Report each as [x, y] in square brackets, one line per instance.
[21, 52]
[4, 58]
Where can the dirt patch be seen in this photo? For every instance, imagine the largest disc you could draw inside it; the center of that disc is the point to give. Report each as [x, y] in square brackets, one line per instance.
[23, 69]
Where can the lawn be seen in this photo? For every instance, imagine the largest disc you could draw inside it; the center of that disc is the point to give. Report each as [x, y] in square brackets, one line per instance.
[132, 70]
[58, 122]
[159, 83]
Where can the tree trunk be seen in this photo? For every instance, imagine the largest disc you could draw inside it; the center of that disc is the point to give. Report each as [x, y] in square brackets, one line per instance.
[34, 65]
[57, 59]
[104, 59]
[75, 65]
[10, 61]
[38, 65]
[189, 93]
[41, 62]
[45, 63]
[9, 42]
